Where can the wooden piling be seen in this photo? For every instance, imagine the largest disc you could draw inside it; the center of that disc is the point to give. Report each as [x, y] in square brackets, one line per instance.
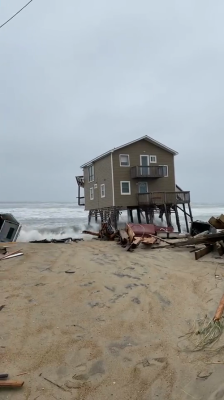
[185, 217]
[139, 215]
[177, 219]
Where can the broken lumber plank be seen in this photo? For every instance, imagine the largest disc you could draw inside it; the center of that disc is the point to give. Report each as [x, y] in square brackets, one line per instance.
[219, 248]
[149, 241]
[221, 219]
[205, 233]
[9, 383]
[136, 241]
[130, 233]
[208, 239]
[12, 255]
[217, 222]
[162, 240]
[91, 233]
[202, 252]
[123, 236]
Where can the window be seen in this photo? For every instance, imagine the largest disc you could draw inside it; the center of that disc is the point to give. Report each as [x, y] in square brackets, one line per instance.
[10, 233]
[125, 187]
[91, 193]
[102, 188]
[164, 170]
[91, 173]
[124, 160]
[153, 159]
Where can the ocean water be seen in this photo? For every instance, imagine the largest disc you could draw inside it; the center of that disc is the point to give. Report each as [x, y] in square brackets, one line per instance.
[61, 220]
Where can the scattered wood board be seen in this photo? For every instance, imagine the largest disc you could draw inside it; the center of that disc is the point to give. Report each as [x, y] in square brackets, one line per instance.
[8, 383]
[202, 252]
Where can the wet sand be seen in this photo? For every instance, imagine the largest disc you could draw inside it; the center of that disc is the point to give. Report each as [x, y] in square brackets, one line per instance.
[111, 329]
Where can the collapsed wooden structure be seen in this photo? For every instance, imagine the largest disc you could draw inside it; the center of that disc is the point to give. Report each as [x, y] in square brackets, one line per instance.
[151, 235]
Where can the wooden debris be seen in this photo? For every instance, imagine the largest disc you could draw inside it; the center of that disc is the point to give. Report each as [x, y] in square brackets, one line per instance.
[4, 376]
[91, 233]
[1, 307]
[202, 252]
[136, 241]
[11, 255]
[205, 233]
[150, 241]
[219, 248]
[219, 311]
[14, 384]
[130, 233]
[123, 236]
[217, 223]
[208, 239]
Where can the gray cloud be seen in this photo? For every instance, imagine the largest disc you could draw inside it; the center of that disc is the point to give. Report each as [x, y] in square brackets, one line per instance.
[78, 78]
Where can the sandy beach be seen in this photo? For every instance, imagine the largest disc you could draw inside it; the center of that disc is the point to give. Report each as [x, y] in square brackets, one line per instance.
[109, 327]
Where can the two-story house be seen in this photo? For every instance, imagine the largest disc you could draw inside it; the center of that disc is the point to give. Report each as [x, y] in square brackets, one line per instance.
[138, 175]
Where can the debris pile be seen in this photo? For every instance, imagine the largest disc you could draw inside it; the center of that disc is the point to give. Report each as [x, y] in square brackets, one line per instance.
[151, 235]
[132, 235]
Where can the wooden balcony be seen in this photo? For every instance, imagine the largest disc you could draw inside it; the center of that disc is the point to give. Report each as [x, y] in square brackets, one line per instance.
[159, 198]
[147, 172]
[80, 182]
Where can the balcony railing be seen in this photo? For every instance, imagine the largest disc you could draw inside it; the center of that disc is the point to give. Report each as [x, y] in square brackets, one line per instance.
[163, 198]
[147, 172]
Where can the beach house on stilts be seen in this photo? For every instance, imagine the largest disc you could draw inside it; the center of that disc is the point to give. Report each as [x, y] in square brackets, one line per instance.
[139, 176]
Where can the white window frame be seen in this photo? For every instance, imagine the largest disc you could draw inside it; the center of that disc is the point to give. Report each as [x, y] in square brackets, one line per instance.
[153, 162]
[147, 186]
[124, 194]
[143, 155]
[127, 155]
[101, 187]
[91, 193]
[93, 172]
[165, 176]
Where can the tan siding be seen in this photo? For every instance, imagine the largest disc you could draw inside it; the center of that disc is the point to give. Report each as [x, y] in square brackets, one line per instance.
[102, 176]
[123, 173]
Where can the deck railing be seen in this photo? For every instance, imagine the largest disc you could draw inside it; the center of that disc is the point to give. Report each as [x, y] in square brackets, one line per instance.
[147, 172]
[163, 198]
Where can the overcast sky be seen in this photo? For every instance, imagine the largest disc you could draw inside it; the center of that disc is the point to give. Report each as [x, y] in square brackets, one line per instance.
[78, 77]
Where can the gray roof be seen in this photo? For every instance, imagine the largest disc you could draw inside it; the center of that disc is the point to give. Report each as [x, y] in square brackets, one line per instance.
[149, 139]
[10, 218]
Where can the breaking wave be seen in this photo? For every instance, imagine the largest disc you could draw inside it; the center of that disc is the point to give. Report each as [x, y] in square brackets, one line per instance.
[28, 234]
